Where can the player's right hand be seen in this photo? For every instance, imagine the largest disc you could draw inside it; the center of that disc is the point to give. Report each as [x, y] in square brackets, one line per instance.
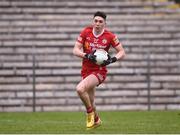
[109, 61]
[91, 56]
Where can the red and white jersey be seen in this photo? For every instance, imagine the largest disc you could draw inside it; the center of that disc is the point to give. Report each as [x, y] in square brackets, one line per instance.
[92, 42]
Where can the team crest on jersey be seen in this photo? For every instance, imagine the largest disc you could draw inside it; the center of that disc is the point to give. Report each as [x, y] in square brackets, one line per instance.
[104, 41]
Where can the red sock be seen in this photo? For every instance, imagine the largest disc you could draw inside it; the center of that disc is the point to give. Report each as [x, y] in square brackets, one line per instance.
[96, 118]
[89, 110]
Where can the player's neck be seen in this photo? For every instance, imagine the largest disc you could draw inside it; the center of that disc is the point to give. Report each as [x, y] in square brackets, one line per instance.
[98, 33]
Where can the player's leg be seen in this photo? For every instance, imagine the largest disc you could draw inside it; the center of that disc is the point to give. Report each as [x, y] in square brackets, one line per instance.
[97, 119]
[89, 83]
[91, 94]
[86, 85]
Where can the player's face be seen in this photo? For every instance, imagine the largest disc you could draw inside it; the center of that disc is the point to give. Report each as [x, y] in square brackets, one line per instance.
[98, 23]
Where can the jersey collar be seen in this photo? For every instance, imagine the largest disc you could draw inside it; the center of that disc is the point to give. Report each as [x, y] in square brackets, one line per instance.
[98, 34]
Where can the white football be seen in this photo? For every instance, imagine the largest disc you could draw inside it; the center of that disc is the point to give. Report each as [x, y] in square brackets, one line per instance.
[101, 55]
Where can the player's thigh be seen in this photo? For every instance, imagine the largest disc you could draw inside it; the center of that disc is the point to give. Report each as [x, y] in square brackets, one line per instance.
[87, 84]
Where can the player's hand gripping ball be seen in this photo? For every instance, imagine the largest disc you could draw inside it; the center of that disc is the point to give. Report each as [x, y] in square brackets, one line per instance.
[101, 55]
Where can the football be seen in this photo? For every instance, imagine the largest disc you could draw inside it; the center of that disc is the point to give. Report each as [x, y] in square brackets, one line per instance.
[101, 55]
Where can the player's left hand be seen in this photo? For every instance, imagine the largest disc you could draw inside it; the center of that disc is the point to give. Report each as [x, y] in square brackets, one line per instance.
[109, 61]
[91, 56]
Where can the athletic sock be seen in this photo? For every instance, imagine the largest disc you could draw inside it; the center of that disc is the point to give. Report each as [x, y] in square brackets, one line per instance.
[96, 118]
[89, 110]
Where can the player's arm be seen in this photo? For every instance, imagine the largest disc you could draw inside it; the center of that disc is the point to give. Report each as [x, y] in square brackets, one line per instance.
[77, 50]
[120, 52]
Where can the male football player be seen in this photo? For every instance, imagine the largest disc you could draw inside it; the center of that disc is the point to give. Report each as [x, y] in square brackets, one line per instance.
[91, 38]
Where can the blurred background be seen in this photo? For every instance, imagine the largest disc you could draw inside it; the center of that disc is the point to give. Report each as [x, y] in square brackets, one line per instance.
[38, 71]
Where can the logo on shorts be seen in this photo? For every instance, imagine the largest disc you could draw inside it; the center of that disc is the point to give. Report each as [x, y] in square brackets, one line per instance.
[100, 77]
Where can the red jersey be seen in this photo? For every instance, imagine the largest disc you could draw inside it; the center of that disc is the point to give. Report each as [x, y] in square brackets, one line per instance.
[91, 42]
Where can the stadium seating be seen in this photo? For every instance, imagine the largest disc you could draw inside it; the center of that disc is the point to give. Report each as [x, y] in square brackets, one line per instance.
[36, 41]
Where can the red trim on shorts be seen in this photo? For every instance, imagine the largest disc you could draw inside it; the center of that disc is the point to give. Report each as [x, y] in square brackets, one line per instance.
[97, 78]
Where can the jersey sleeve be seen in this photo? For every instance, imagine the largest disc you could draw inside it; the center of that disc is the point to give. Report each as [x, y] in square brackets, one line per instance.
[115, 41]
[81, 37]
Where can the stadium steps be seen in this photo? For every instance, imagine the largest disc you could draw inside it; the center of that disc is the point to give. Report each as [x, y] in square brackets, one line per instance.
[144, 27]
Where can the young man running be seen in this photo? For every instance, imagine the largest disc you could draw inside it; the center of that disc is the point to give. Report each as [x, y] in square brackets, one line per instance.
[91, 38]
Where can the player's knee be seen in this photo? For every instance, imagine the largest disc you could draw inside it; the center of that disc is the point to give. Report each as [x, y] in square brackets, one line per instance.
[80, 90]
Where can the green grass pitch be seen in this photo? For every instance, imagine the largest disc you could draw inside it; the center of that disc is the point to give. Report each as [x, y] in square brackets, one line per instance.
[114, 122]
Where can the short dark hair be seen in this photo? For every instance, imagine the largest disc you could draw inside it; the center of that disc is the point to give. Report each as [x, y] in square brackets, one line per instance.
[101, 14]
